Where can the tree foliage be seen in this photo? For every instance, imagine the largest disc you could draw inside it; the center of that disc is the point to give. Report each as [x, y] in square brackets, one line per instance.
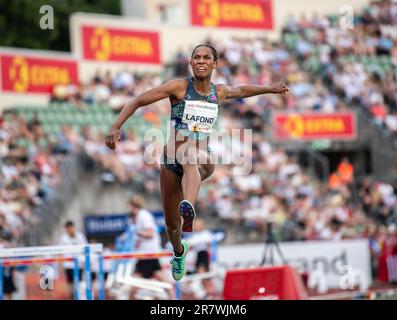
[19, 21]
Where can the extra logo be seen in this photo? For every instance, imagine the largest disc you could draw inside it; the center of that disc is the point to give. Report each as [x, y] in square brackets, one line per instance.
[294, 126]
[232, 13]
[19, 74]
[210, 12]
[24, 74]
[101, 44]
[108, 44]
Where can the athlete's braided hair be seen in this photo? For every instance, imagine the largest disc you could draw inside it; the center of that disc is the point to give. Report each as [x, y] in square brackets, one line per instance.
[214, 53]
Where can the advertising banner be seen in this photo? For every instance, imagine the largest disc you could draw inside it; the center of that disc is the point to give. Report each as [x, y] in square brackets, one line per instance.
[120, 45]
[252, 14]
[313, 126]
[25, 74]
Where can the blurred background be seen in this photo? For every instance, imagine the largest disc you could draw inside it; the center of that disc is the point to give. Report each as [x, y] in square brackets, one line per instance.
[324, 178]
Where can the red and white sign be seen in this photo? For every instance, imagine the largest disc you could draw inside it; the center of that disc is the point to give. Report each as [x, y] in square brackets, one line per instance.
[120, 45]
[305, 256]
[26, 74]
[312, 126]
[253, 14]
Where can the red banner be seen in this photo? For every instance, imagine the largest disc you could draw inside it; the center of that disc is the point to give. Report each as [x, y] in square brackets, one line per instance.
[35, 75]
[312, 126]
[121, 45]
[256, 14]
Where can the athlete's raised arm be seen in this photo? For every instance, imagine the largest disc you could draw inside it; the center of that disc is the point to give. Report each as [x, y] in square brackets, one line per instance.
[168, 89]
[225, 92]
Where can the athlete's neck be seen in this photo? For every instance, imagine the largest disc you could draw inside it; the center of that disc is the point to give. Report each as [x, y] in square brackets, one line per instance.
[202, 86]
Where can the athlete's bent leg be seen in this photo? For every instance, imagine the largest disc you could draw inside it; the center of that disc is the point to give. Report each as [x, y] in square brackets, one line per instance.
[171, 196]
[206, 170]
[196, 168]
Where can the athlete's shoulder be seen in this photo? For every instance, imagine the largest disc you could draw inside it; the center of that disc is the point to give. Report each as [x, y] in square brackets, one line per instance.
[179, 83]
[220, 86]
[221, 90]
[176, 88]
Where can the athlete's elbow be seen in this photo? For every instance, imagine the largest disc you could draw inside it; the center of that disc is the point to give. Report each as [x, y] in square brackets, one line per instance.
[134, 104]
[244, 94]
[237, 93]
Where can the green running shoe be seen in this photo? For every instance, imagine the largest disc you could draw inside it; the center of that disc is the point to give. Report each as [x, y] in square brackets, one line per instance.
[178, 263]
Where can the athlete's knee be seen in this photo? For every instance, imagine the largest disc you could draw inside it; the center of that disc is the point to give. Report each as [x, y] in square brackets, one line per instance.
[206, 171]
[190, 157]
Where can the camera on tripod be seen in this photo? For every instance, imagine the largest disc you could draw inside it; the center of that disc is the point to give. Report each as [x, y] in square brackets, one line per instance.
[271, 244]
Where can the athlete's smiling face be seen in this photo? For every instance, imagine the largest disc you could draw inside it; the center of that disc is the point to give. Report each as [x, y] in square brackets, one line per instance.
[203, 62]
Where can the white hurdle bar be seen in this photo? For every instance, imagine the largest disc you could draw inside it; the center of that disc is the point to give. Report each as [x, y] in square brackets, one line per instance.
[214, 242]
[28, 255]
[127, 256]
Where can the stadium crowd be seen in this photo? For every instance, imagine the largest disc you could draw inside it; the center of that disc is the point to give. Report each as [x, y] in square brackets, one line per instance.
[357, 63]
[30, 163]
[277, 190]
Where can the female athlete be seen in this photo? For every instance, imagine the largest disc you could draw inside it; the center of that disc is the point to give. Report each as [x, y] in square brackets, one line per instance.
[187, 160]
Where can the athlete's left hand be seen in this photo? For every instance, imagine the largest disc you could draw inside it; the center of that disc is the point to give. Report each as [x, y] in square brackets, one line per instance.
[280, 88]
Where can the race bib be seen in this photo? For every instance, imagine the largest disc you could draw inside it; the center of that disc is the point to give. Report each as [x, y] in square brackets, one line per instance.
[200, 116]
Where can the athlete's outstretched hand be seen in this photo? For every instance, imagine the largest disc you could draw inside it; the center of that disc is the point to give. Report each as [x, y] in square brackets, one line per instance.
[112, 138]
[280, 88]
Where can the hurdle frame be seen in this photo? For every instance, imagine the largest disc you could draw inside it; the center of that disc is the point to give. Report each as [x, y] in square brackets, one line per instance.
[23, 256]
[12, 257]
[214, 244]
[127, 256]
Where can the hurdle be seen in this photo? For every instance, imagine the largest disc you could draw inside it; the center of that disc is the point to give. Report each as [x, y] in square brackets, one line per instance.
[214, 243]
[34, 255]
[128, 256]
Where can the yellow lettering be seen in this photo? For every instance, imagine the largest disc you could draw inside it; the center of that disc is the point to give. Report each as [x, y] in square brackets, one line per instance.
[341, 126]
[44, 76]
[131, 46]
[324, 125]
[241, 12]
[227, 12]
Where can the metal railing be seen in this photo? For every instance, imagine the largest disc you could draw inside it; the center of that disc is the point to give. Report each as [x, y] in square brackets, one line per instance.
[316, 164]
[47, 216]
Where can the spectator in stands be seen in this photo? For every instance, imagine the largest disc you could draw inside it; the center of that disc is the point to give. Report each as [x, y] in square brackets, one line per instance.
[391, 121]
[147, 239]
[346, 171]
[8, 282]
[5, 230]
[70, 238]
[200, 241]
[7, 275]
